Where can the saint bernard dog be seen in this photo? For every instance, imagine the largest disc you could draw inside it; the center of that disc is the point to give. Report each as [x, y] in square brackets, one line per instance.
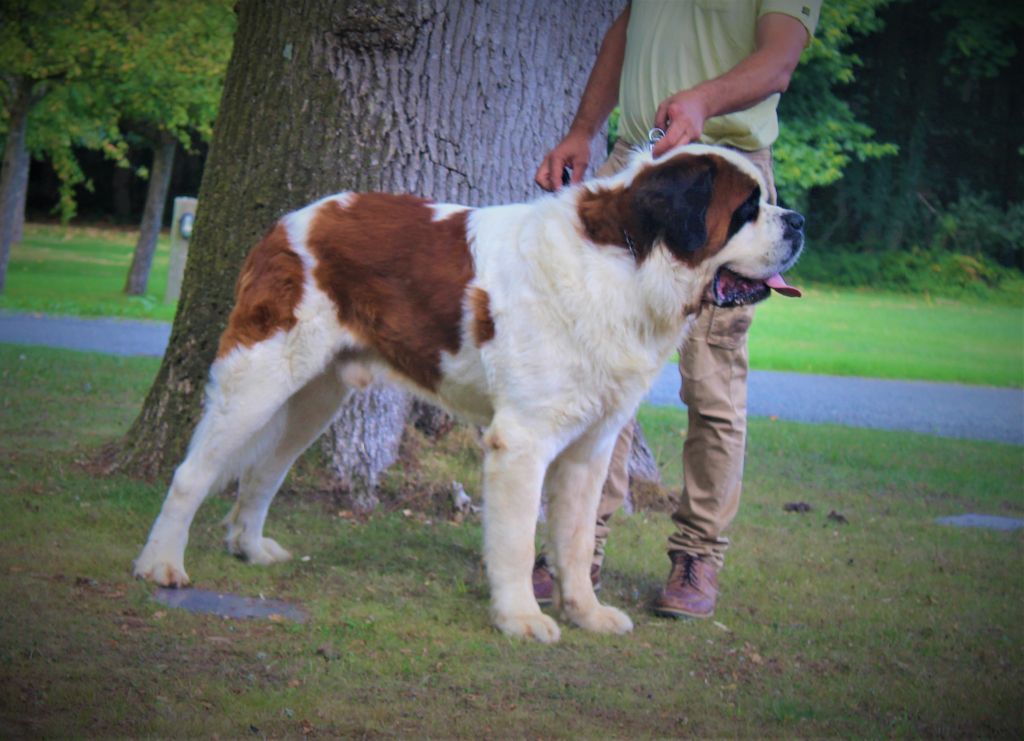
[544, 322]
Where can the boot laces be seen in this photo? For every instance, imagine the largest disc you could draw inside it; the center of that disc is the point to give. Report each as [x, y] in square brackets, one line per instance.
[689, 565]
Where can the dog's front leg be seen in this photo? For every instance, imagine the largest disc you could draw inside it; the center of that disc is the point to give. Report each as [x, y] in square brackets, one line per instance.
[574, 490]
[513, 475]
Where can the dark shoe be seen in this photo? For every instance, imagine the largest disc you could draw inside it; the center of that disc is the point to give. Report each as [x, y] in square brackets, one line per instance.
[691, 589]
[544, 580]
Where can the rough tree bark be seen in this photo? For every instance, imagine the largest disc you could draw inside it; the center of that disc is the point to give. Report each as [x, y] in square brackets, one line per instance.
[152, 215]
[18, 228]
[642, 466]
[14, 178]
[364, 440]
[452, 100]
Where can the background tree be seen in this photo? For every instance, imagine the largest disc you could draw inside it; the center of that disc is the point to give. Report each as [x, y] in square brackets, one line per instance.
[452, 100]
[76, 71]
[168, 78]
[942, 81]
[820, 133]
[50, 51]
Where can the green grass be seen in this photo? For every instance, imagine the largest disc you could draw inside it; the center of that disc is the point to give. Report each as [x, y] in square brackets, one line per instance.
[890, 625]
[848, 332]
[80, 271]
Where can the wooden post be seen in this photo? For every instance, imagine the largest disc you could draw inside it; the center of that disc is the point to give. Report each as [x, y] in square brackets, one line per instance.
[179, 246]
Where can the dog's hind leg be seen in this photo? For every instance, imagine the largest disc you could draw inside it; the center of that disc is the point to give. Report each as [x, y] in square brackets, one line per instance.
[246, 390]
[573, 485]
[297, 424]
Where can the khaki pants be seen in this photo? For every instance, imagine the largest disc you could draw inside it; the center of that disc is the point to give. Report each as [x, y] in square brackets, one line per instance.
[713, 365]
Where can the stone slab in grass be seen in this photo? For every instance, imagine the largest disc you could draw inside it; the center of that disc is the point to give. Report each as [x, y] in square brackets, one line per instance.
[230, 605]
[992, 522]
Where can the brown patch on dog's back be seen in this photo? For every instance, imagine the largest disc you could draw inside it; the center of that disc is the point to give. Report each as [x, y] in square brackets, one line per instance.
[483, 322]
[397, 277]
[268, 290]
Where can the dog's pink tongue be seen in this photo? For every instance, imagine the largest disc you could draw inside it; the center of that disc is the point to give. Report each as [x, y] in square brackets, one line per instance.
[777, 283]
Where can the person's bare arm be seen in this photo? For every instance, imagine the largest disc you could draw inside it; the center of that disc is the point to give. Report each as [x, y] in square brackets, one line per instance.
[599, 98]
[780, 41]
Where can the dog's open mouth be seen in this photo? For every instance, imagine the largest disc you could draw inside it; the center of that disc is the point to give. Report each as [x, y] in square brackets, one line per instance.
[731, 289]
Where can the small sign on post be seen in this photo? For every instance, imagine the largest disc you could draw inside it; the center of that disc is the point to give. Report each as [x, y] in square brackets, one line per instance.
[181, 231]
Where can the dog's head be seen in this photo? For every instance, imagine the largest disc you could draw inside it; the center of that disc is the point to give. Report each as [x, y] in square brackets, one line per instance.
[707, 207]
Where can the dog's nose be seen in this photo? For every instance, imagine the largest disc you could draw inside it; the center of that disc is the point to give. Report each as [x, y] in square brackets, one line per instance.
[794, 220]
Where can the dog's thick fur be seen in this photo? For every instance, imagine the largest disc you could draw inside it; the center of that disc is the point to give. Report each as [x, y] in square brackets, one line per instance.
[545, 322]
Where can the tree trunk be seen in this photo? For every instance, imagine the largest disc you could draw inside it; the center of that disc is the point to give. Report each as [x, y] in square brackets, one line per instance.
[642, 464]
[18, 227]
[152, 216]
[364, 440]
[452, 100]
[14, 178]
[432, 421]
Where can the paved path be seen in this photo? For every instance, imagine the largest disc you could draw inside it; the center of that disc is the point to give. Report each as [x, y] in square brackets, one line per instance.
[946, 409]
[112, 336]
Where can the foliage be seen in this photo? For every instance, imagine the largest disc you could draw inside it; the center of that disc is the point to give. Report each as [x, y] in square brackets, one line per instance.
[916, 270]
[974, 225]
[61, 62]
[108, 64]
[820, 133]
[979, 42]
[941, 82]
[613, 127]
[169, 62]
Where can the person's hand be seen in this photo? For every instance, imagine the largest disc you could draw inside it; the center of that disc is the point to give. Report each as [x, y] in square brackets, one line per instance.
[681, 117]
[572, 152]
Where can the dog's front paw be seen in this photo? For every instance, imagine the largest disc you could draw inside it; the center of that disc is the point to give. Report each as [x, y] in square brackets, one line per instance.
[161, 571]
[537, 626]
[603, 619]
[264, 552]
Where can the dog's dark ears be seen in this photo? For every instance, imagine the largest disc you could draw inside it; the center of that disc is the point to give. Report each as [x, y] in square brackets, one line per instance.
[671, 203]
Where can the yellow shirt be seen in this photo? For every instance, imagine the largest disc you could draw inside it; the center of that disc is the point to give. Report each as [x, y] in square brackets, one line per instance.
[673, 45]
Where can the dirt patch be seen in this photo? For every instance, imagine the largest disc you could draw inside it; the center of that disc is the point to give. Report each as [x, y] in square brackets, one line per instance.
[653, 497]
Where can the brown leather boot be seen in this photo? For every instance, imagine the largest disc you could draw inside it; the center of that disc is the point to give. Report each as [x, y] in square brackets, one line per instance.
[544, 580]
[691, 589]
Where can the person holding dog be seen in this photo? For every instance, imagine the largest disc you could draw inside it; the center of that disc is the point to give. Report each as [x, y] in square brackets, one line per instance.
[708, 71]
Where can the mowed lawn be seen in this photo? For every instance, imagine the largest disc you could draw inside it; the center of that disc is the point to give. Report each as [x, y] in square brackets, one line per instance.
[80, 271]
[859, 333]
[860, 618]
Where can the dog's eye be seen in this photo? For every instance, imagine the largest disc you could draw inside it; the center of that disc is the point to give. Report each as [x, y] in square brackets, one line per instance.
[746, 212]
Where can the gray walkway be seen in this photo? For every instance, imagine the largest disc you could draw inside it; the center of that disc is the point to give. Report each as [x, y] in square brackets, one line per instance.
[946, 409]
[112, 336]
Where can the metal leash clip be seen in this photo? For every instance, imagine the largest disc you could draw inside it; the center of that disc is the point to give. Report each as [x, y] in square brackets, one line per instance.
[654, 135]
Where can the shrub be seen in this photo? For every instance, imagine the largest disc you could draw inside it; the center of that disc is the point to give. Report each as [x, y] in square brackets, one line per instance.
[974, 225]
[933, 271]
